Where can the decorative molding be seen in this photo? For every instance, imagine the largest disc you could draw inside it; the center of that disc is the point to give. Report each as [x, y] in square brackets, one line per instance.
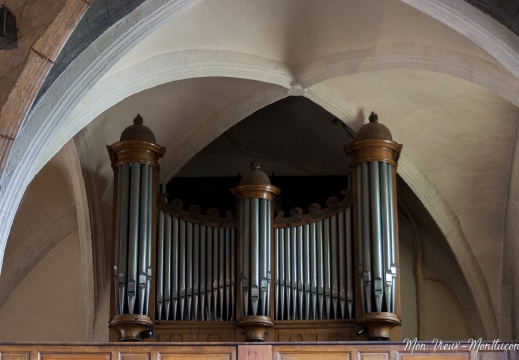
[315, 212]
[88, 273]
[408, 56]
[483, 30]
[194, 213]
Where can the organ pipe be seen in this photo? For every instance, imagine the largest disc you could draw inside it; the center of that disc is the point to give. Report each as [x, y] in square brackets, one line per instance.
[314, 265]
[255, 197]
[135, 163]
[374, 160]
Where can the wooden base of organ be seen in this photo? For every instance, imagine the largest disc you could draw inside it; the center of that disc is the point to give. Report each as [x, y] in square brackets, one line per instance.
[282, 331]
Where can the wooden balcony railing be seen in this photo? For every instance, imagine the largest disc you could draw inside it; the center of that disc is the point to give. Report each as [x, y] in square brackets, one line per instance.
[265, 351]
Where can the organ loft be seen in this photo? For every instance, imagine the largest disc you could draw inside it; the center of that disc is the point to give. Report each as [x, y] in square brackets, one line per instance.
[329, 273]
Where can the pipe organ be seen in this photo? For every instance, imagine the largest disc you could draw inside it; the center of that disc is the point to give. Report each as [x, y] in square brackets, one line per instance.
[375, 156]
[314, 263]
[254, 275]
[195, 264]
[134, 161]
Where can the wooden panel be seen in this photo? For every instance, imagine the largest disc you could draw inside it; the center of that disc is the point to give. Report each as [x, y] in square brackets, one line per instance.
[254, 352]
[7, 356]
[135, 356]
[75, 356]
[374, 356]
[314, 330]
[200, 352]
[433, 355]
[243, 351]
[313, 356]
[310, 352]
[492, 356]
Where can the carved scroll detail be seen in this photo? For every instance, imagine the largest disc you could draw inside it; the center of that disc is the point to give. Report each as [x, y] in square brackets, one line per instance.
[315, 212]
[194, 213]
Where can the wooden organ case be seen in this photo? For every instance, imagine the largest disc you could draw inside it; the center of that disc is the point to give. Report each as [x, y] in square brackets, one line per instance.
[326, 275]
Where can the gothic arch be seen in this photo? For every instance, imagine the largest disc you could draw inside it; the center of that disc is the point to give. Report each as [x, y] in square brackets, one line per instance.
[53, 121]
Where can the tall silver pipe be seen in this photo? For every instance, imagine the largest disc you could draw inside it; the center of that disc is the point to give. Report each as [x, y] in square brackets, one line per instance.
[366, 237]
[228, 261]
[216, 248]
[392, 234]
[175, 270]
[334, 257]
[233, 272]
[313, 267]
[341, 259]
[182, 268]
[118, 239]
[189, 269]
[300, 270]
[288, 274]
[167, 266]
[320, 270]
[209, 276]
[160, 259]
[327, 268]
[123, 236]
[196, 270]
[245, 255]
[282, 274]
[143, 238]
[376, 238]
[268, 237]
[349, 262]
[306, 277]
[360, 245]
[149, 224]
[133, 253]
[254, 255]
[277, 255]
[294, 271]
[203, 261]
[386, 249]
[264, 240]
[221, 271]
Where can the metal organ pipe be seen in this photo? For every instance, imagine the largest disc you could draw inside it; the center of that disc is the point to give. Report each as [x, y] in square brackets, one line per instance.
[133, 246]
[135, 161]
[376, 238]
[306, 263]
[374, 158]
[143, 238]
[122, 219]
[255, 196]
[160, 260]
[202, 283]
[366, 238]
[313, 263]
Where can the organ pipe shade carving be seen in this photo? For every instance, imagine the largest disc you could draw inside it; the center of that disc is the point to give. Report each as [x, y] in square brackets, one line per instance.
[255, 215]
[374, 161]
[135, 163]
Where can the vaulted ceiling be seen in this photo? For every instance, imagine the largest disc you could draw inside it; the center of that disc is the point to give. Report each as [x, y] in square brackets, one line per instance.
[444, 77]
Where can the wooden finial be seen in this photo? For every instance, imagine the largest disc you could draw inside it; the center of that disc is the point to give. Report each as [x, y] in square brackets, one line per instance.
[138, 120]
[255, 165]
[373, 117]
